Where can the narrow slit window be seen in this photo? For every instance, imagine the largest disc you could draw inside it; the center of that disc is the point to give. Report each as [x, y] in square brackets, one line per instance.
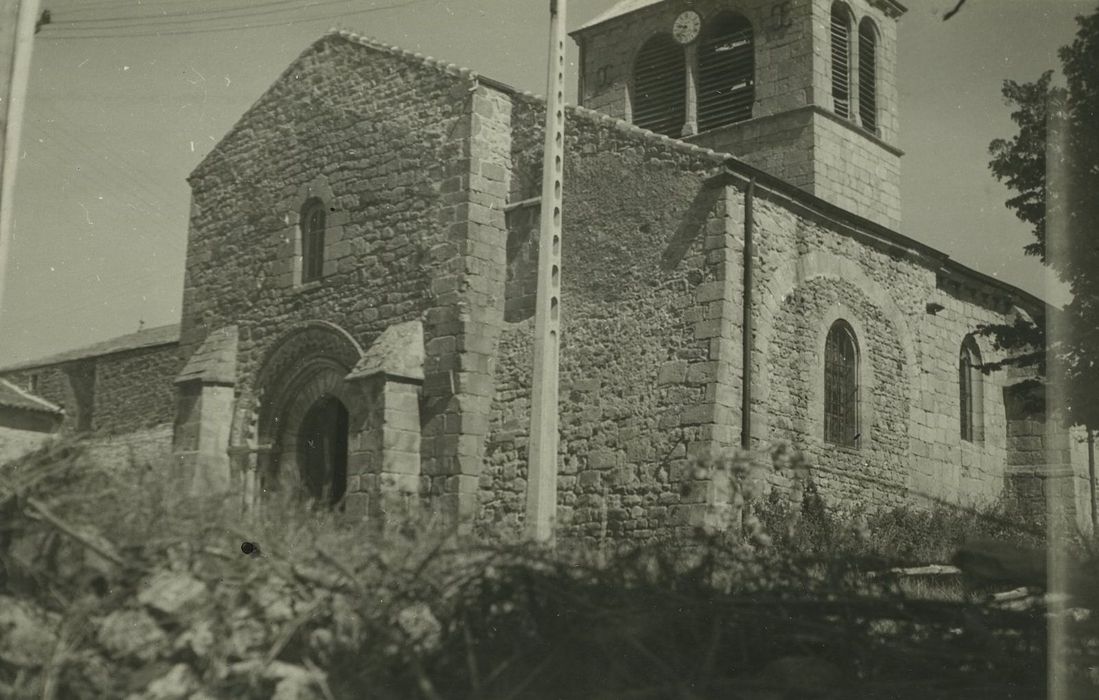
[312, 240]
[841, 61]
[660, 87]
[841, 386]
[726, 72]
[970, 392]
[868, 75]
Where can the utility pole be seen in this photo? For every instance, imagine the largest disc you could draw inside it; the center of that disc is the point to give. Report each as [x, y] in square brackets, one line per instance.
[18, 20]
[542, 456]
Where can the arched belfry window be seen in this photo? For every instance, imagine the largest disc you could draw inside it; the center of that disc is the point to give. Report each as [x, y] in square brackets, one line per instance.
[970, 392]
[726, 71]
[868, 75]
[660, 86]
[841, 60]
[312, 240]
[841, 385]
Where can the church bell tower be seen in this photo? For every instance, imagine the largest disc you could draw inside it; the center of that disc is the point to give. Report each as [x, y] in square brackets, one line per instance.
[802, 89]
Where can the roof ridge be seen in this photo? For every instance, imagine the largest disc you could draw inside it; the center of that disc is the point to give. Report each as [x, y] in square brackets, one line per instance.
[394, 50]
[86, 351]
[634, 130]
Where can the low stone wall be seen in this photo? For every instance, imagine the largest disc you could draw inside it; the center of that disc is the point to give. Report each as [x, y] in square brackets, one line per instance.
[151, 446]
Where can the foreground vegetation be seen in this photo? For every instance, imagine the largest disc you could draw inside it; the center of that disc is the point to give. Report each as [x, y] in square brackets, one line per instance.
[114, 586]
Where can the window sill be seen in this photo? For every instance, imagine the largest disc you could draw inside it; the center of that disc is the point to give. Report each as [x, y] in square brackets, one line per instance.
[847, 449]
[307, 286]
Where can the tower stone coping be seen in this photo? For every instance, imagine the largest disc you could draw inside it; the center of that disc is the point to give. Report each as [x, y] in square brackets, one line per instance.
[398, 352]
[215, 361]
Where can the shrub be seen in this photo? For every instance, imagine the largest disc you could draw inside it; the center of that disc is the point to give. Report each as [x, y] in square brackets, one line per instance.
[145, 593]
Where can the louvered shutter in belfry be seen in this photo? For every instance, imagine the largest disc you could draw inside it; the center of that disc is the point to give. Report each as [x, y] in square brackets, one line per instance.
[726, 72]
[841, 63]
[660, 87]
[868, 76]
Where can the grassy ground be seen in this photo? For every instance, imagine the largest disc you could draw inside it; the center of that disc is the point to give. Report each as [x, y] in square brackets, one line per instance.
[113, 585]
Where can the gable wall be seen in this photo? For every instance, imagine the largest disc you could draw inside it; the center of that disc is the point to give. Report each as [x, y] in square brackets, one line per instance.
[384, 142]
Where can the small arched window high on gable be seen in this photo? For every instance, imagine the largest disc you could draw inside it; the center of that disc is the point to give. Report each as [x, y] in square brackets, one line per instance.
[660, 86]
[312, 240]
[868, 75]
[841, 60]
[726, 71]
[970, 392]
[841, 385]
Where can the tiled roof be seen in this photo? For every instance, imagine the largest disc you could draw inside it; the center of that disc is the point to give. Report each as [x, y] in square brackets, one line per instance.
[12, 396]
[215, 362]
[624, 7]
[161, 335]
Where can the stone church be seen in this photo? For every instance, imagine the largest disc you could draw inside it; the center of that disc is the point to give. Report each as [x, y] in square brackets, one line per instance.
[357, 311]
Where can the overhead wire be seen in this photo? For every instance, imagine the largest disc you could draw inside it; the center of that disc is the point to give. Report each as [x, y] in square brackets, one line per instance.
[109, 173]
[121, 164]
[71, 34]
[256, 10]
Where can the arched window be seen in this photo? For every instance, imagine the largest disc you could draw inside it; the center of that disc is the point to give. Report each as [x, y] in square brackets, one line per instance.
[970, 392]
[841, 60]
[660, 86]
[868, 75]
[841, 385]
[726, 71]
[312, 240]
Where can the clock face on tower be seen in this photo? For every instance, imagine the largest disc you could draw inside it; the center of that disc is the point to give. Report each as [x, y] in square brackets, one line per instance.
[686, 27]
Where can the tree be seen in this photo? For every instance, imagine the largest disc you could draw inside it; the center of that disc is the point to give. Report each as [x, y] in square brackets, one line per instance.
[1052, 165]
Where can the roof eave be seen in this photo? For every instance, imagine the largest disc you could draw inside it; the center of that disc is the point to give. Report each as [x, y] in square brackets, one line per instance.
[740, 170]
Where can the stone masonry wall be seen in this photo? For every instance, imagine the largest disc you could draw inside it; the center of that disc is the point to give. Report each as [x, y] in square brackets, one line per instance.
[793, 133]
[134, 390]
[111, 394]
[813, 270]
[645, 336]
[409, 155]
[855, 172]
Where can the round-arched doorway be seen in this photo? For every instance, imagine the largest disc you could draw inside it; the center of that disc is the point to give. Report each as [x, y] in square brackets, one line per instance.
[322, 451]
[301, 415]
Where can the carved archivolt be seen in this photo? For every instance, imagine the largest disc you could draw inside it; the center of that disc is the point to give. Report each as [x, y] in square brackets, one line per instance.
[312, 352]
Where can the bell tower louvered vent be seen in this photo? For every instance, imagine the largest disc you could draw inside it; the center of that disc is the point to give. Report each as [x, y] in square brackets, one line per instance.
[841, 61]
[660, 87]
[868, 76]
[804, 90]
[726, 72]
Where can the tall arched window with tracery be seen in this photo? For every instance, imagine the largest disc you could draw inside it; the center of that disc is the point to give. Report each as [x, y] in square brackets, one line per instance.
[970, 392]
[726, 71]
[868, 75]
[841, 60]
[312, 240]
[841, 385]
[660, 86]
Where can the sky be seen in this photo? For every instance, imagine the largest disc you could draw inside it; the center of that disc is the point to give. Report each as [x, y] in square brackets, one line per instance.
[126, 98]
